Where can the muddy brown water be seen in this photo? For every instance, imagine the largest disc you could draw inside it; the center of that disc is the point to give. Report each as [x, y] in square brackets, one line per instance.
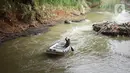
[93, 53]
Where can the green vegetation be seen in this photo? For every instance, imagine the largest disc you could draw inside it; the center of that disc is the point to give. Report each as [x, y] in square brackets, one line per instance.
[28, 10]
[60, 2]
[109, 4]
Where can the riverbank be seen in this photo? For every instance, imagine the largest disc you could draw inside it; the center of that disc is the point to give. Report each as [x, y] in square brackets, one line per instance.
[11, 28]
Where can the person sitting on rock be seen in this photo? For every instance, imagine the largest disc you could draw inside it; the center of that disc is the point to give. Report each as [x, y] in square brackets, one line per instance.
[67, 42]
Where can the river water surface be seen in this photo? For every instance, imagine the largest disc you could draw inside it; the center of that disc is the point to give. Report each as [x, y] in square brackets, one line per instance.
[93, 53]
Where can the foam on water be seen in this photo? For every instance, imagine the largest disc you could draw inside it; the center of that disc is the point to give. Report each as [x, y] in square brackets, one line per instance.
[78, 30]
[107, 13]
[123, 17]
[120, 47]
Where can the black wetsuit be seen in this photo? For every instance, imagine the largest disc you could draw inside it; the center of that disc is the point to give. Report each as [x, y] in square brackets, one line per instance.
[67, 43]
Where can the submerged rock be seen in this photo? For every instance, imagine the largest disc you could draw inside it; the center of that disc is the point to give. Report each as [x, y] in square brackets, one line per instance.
[75, 21]
[67, 22]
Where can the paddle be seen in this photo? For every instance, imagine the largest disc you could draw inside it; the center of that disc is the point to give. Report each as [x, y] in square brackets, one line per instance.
[72, 49]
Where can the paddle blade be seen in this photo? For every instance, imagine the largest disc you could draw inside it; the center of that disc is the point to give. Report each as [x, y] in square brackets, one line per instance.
[72, 49]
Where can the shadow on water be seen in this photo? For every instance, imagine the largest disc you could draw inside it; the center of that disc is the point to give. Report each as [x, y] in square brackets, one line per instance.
[53, 56]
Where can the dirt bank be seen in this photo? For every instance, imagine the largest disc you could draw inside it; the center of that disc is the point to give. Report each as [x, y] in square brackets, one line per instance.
[11, 27]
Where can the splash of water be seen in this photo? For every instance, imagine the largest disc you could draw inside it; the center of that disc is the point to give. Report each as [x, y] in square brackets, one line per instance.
[123, 17]
[120, 47]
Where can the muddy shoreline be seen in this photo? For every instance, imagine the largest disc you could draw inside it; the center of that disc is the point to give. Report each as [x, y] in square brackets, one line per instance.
[31, 31]
[42, 28]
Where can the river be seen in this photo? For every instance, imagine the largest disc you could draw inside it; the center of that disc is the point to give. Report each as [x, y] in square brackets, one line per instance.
[93, 53]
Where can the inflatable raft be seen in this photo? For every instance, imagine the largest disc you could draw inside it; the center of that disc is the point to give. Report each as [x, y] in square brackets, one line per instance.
[58, 49]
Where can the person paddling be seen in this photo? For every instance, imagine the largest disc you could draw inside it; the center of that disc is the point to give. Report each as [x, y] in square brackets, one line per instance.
[68, 43]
